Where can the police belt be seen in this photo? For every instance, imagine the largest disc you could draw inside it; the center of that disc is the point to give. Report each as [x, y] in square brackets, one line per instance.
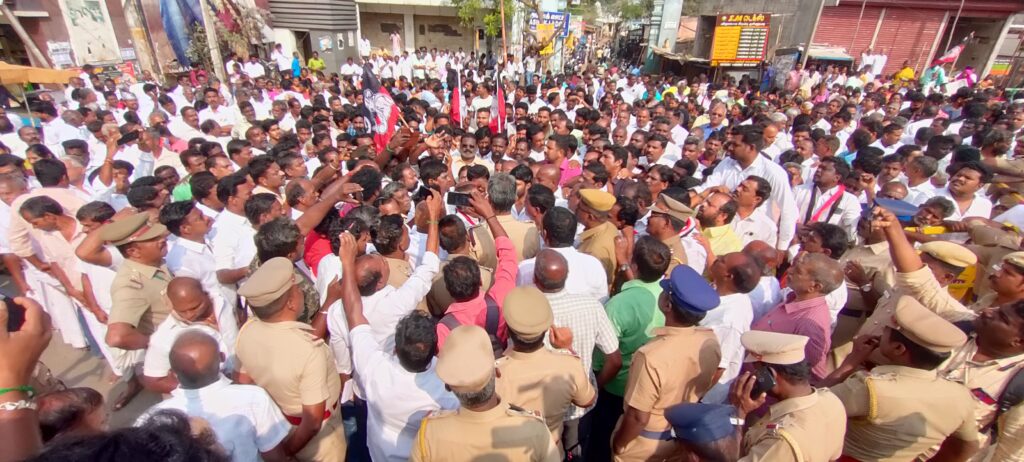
[666, 435]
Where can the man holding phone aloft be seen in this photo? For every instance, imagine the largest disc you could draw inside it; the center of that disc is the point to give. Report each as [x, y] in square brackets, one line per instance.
[804, 420]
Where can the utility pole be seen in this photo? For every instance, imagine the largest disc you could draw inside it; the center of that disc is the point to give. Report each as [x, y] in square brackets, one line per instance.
[209, 21]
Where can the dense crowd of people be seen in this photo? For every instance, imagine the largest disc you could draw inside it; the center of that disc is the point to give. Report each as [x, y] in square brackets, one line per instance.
[441, 256]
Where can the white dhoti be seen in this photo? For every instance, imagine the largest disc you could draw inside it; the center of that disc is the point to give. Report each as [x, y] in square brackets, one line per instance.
[62, 309]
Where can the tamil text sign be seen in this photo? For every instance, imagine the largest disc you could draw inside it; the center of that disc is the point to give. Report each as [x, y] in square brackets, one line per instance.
[740, 39]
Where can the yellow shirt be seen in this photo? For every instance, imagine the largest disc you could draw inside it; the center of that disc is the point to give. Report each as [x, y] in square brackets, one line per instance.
[723, 239]
[315, 64]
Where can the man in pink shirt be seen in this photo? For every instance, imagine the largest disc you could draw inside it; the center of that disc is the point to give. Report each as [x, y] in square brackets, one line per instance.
[805, 311]
[462, 279]
[558, 152]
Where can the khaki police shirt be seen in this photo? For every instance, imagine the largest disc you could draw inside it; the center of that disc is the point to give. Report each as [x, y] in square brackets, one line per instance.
[896, 413]
[545, 380]
[986, 380]
[503, 433]
[807, 428]
[438, 298]
[400, 270]
[137, 295]
[286, 359]
[599, 242]
[878, 266]
[524, 236]
[675, 245]
[676, 366]
[923, 287]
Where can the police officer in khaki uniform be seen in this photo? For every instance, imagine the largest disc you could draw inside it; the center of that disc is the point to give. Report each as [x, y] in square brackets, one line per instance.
[669, 221]
[501, 192]
[454, 239]
[804, 423]
[282, 355]
[922, 276]
[706, 431]
[869, 273]
[985, 365]
[486, 426]
[137, 291]
[598, 238]
[535, 377]
[1004, 283]
[679, 365]
[899, 411]
[990, 244]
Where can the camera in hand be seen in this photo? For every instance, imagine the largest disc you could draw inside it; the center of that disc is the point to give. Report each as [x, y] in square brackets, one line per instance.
[458, 199]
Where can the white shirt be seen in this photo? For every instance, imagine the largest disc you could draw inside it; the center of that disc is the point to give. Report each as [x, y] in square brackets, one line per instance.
[182, 130]
[224, 116]
[387, 306]
[696, 254]
[1014, 216]
[765, 296]
[980, 206]
[586, 276]
[195, 260]
[397, 400]
[254, 70]
[756, 227]
[891, 149]
[233, 244]
[917, 195]
[158, 364]
[730, 320]
[244, 417]
[143, 162]
[284, 62]
[730, 174]
[846, 208]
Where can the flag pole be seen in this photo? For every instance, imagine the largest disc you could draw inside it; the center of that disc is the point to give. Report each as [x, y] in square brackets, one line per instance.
[504, 43]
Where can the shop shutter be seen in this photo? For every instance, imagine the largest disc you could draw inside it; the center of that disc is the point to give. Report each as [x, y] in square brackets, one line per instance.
[908, 34]
[839, 23]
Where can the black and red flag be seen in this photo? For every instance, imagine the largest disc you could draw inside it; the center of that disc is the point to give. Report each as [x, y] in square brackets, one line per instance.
[380, 108]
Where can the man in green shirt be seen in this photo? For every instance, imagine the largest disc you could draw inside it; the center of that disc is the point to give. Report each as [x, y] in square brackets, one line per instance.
[315, 63]
[634, 315]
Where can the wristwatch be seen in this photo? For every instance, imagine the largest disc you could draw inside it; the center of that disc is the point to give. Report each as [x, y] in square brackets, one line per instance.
[866, 287]
[623, 267]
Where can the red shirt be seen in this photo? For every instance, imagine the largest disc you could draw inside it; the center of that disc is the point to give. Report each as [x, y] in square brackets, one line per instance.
[809, 318]
[475, 311]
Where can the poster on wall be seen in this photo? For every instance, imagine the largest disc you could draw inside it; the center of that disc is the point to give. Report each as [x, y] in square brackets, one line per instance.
[169, 23]
[90, 31]
[60, 54]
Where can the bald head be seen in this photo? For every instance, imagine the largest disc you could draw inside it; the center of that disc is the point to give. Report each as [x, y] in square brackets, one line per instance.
[549, 175]
[550, 271]
[182, 288]
[195, 359]
[766, 255]
[188, 299]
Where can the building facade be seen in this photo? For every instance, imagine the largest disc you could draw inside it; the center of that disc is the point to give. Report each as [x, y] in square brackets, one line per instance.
[916, 31]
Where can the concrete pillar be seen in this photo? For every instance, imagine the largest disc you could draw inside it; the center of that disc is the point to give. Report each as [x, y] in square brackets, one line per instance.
[410, 32]
[999, 44]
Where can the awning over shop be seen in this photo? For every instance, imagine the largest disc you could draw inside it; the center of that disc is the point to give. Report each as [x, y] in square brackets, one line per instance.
[681, 58]
[12, 74]
[828, 53]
